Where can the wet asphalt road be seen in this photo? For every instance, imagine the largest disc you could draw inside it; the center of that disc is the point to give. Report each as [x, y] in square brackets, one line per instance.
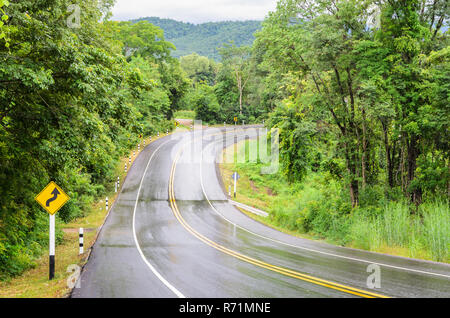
[172, 233]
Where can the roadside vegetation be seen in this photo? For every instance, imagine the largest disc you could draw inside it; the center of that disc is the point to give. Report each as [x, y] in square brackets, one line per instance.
[184, 114]
[33, 282]
[359, 91]
[318, 207]
[73, 101]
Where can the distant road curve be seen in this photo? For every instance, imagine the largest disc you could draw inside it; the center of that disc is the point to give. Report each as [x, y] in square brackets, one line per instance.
[173, 233]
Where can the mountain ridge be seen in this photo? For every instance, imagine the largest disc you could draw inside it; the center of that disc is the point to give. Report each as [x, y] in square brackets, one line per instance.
[205, 38]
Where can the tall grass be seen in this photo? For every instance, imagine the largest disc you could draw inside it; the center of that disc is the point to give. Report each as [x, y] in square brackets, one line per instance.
[366, 233]
[436, 229]
[425, 233]
[320, 206]
[396, 224]
[184, 114]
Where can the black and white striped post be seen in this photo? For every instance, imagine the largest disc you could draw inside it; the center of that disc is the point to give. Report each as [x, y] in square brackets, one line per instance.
[52, 248]
[158, 133]
[81, 240]
[125, 168]
[134, 153]
[129, 161]
[139, 147]
[106, 204]
[144, 142]
[167, 131]
[118, 183]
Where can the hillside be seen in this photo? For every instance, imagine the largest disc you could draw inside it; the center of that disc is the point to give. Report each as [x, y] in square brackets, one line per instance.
[204, 39]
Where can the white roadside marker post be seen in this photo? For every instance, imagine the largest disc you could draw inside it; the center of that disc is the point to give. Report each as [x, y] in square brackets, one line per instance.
[115, 187]
[126, 168]
[235, 180]
[81, 240]
[139, 148]
[106, 204]
[118, 183]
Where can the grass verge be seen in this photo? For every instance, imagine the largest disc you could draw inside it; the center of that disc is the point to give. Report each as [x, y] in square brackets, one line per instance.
[318, 209]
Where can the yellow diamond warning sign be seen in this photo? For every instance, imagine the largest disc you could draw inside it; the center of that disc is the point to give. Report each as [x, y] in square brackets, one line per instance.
[52, 198]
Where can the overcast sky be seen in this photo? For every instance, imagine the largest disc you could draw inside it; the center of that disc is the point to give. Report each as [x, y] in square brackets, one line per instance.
[194, 11]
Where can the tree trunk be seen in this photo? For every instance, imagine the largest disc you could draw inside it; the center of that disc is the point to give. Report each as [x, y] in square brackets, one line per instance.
[240, 100]
[389, 156]
[413, 154]
[364, 150]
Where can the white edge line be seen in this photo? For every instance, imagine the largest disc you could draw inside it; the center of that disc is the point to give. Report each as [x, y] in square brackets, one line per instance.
[301, 247]
[157, 274]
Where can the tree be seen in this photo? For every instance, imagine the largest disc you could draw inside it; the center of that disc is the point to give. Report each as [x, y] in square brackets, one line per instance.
[199, 68]
[141, 38]
[237, 60]
[205, 104]
[66, 95]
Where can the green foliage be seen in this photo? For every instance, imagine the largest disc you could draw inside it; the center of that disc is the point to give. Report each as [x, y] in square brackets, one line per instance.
[184, 114]
[205, 104]
[72, 102]
[3, 18]
[319, 206]
[199, 68]
[376, 97]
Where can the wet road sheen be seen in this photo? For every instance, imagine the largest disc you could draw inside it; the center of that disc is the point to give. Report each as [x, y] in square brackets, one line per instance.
[172, 233]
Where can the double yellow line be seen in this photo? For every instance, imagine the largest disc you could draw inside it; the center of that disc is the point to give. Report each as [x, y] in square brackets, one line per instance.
[281, 270]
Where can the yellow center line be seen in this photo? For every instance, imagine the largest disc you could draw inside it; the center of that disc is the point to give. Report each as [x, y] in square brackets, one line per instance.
[280, 270]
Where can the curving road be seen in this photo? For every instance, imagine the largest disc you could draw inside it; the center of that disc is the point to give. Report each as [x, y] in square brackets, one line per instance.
[172, 233]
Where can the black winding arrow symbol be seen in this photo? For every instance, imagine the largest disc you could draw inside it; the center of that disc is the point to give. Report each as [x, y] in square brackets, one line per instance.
[55, 196]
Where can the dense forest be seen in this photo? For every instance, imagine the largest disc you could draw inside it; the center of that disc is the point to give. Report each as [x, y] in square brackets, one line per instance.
[360, 93]
[205, 39]
[358, 89]
[73, 100]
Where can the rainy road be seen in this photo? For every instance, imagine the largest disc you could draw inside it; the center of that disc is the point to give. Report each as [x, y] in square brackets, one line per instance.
[172, 233]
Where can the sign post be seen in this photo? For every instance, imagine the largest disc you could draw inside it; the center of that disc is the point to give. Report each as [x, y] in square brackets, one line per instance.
[52, 198]
[235, 177]
[52, 248]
